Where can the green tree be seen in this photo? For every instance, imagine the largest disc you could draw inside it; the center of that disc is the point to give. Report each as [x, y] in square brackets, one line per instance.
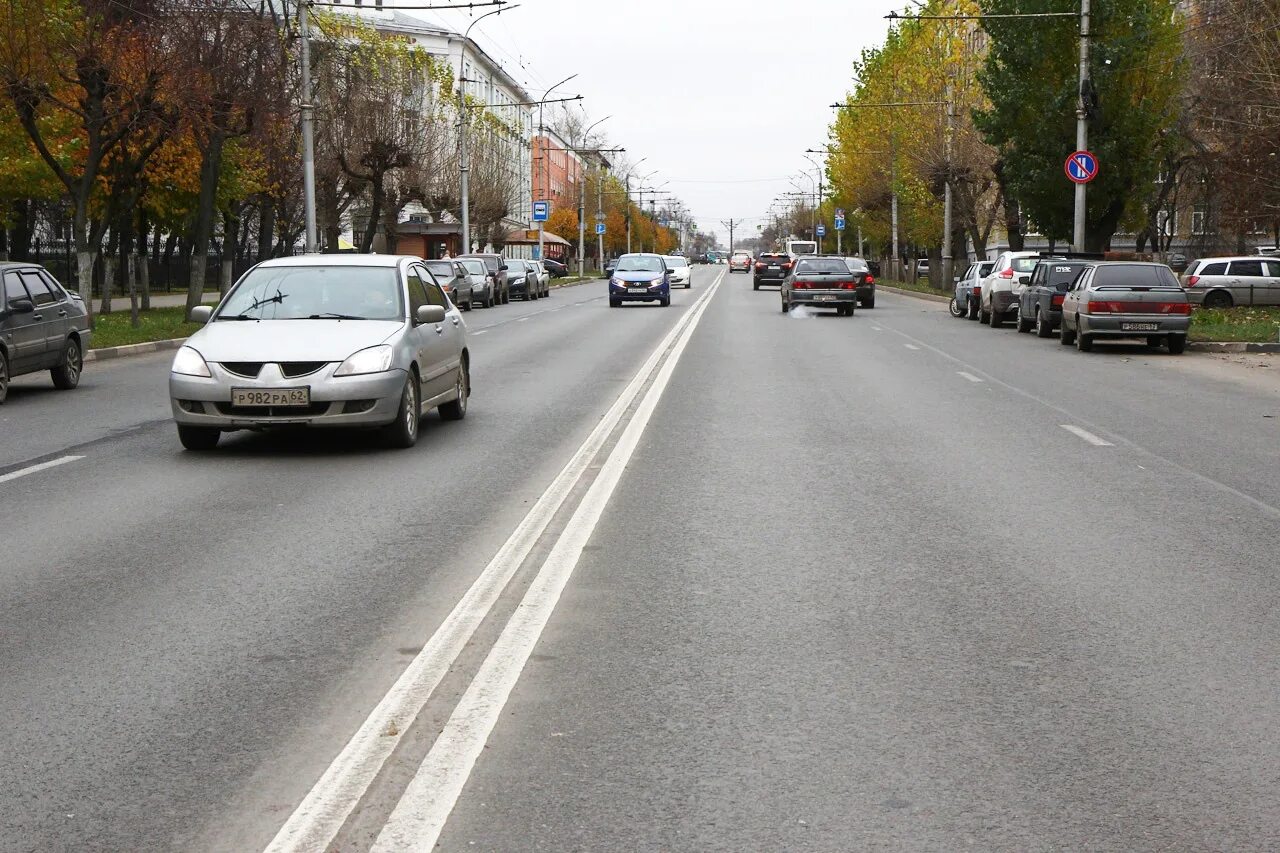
[1030, 79]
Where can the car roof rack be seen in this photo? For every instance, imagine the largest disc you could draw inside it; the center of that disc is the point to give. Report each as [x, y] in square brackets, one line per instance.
[1073, 256]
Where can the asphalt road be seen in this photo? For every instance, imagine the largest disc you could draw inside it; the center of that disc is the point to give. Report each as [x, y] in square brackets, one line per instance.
[894, 581]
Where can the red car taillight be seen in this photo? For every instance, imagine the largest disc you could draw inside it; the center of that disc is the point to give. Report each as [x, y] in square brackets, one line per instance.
[848, 285]
[977, 290]
[1193, 280]
[1139, 308]
[1007, 273]
[787, 265]
[800, 285]
[869, 280]
[1058, 298]
[759, 265]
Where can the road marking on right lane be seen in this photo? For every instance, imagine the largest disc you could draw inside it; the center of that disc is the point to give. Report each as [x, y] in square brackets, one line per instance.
[968, 376]
[912, 346]
[417, 820]
[43, 466]
[318, 819]
[1086, 435]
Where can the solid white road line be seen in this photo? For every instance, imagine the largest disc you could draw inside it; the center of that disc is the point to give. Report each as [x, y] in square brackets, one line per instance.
[480, 332]
[43, 466]
[968, 376]
[419, 817]
[523, 320]
[912, 346]
[1086, 435]
[319, 817]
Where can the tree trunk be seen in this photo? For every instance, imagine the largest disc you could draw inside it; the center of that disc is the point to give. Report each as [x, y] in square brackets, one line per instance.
[1012, 211]
[266, 228]
[376, 198]
[210, 166]
[108, 267]
[128, 268]
[1097, 235]
[144, 263]
[230, 241]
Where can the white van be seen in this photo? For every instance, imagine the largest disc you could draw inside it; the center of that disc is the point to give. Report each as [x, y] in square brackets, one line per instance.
[796, 248]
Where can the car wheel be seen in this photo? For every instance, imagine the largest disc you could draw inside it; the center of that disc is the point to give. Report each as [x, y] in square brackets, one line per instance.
[1066, 337]
[786, 307]
[1177, 344]
[1084, 341]
[1043, 328]
[1024, 325]
[869, 302]
[4, 376]
[456, 410]
[467, 305]
[973, 308]
[198, 438]
[665, 301]
[1218, 299]
[67, 374]
[614, 303]
[995, 318]
[688, 284]
[403, 431]
[506, 297]
[983, 316]
[954, 307]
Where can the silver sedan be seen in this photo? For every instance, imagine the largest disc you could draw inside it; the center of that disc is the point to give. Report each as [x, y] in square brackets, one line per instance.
[323, 341]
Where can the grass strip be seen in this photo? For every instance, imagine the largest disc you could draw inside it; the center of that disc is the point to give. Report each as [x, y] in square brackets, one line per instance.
[158, 324]
[1253, 325]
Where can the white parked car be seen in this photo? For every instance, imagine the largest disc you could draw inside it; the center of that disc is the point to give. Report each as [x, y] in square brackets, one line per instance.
[1002, 288]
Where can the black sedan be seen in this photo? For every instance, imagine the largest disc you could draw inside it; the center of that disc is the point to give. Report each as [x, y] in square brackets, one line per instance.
[1040, 305]
[555, 268]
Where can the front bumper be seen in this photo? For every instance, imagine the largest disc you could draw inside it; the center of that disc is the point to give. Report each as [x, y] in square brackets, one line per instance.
[622, 293]
[822, 297]
[371, 399]
[1111, 325]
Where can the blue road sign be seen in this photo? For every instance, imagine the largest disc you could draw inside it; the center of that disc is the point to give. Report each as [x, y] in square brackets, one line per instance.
[599, 227]
[1082, 167]
[541, 211]
[839, 223]
[537, 255]
[822, 230]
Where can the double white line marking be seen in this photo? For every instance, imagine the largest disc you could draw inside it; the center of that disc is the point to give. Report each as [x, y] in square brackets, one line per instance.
[418, 818]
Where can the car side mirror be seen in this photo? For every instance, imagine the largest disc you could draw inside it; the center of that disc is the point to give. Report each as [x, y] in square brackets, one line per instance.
[21, 306]
[201, 314]
[503, 267]
[430, 314]
[1024, 279]
[956, 279]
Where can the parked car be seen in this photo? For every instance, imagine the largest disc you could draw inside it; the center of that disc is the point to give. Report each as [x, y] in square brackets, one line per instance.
[42, 327]
[922, 268]
[1002, 287]
[523, 280]
[323, 341]
[555, 268]
[1040, 303]
[771, 268]
[453, 280]
[1178, 262]
[1125, 299]
[866, 281]
[544, 277]
[1224, 282]
[681, 272]
[497, 268]
[969, 290]
[640, 277]
[740, 262]
[482, 290]
[821, 282]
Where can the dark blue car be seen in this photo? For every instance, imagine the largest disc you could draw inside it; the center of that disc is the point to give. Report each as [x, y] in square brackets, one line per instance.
[640, 277]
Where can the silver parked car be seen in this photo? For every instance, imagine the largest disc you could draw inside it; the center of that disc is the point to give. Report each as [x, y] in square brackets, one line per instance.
[323, 341]
[453, 280]
[42, 327]
[1224, 282]
[1124, 299]
[482, 292]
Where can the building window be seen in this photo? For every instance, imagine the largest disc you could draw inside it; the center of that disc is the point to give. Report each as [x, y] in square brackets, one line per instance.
[1200, 219]
[1166, 222]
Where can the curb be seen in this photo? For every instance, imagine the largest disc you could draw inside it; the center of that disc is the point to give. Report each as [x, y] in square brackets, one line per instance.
[108, 353]
[1232, 346]
[931, 297]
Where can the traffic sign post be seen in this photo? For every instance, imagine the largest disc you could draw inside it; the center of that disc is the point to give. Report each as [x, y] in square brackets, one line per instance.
[1081, 167]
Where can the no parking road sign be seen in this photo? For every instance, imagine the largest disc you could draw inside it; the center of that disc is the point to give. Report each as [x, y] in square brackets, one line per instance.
[1082, 167]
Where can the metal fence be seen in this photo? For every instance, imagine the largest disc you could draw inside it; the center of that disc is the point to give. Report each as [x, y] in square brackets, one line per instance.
[164, 277]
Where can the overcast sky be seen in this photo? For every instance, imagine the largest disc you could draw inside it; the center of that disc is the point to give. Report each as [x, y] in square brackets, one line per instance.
[721, 97]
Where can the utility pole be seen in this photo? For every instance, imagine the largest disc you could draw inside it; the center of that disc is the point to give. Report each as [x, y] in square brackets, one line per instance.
[1082, 125]
[308, 135]
[731, 225]
[464, 142]
[947, 262]
[599, 217]
[542, 161]
[628, 211]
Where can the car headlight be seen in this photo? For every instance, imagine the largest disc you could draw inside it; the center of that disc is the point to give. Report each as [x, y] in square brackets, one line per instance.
[372, 360]
[188, 362]
[617, 282]
[657, 282]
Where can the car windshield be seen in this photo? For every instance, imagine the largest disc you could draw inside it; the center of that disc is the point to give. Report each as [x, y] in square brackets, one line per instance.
[316, 292]
[639, 264]
[821, 265]
[474, 267]
[677, 262]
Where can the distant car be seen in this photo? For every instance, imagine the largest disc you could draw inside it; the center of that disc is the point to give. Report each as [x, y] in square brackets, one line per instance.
[497, 268]
[609, 266]
[1040, 303]
[1224, 282]
[681, 272]
[1125, 299]
[740, 262]
[522, 278]
[323, 341]
[482, 290]
[454, 280]
[823, 283]
[1002, 286]
[866, 281]
[969, 289]
[544, 277]
[42, 327]
[1178, 262]
[555, 268]
[771, 268]
[922, 268]
[640, 277]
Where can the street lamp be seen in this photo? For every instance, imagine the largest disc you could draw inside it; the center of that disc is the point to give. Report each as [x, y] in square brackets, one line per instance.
[627, 186]
[542, 159]
[582, 200]
[464, 166]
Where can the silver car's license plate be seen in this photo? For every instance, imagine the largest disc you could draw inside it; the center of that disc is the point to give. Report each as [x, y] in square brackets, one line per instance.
[637, 290]
[825, 297]
[271, 396]
[1139, 327]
